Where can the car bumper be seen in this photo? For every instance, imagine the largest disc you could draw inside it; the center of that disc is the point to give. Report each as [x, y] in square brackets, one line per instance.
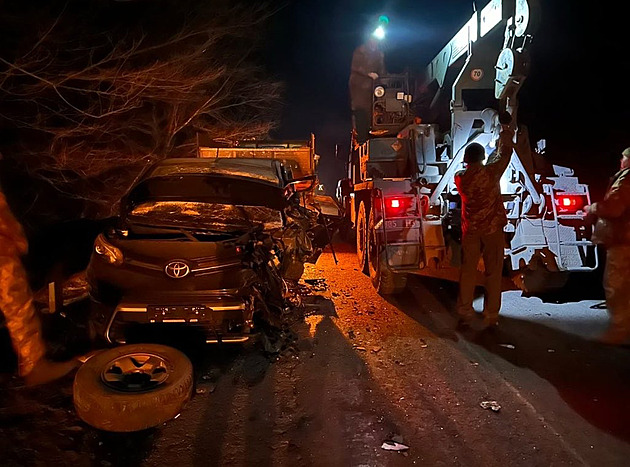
[219, 316]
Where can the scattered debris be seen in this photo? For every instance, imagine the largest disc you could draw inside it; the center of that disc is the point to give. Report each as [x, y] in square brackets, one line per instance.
[254, 369]
[391, 445]
[376, 349]
[423, 344]
[361, 349]
[74, 428]
[200, 391]
[317, 285]
[492, 405]
[351, 334]
[551, 350]
[507, 346]
[474, 363]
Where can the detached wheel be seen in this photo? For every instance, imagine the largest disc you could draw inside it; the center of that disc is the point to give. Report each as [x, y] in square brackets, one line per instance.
[132, 387]
[384, 280]
[362, 237]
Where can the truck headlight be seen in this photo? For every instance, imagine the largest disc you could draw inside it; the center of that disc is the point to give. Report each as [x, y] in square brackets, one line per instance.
[107, 251]
[379, 91]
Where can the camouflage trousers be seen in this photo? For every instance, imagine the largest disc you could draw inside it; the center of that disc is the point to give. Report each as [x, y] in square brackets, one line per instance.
[617, 286]
[16, 303]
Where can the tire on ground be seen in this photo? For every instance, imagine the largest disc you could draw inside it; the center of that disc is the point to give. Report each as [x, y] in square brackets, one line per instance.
[384, 280]
[362, 237]
[111, 410]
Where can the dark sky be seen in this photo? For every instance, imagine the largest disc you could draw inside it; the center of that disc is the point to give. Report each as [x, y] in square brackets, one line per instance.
[576, 96]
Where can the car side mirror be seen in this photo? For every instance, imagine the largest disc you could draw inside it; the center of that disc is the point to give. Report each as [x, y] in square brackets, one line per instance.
[299, 185]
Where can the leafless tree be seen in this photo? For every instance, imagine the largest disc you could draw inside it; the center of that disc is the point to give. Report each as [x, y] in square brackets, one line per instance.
[91, 111]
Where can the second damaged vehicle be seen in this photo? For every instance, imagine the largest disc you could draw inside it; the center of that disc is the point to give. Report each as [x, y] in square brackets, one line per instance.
[204, 244]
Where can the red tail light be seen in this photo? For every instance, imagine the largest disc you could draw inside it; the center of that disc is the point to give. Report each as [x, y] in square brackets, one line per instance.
[570, 204]
[399, 206]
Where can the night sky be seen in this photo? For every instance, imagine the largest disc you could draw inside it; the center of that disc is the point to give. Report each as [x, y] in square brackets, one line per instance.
[576, 96]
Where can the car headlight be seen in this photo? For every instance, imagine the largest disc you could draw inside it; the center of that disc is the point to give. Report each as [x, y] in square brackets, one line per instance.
[379, 91]
[107, 251]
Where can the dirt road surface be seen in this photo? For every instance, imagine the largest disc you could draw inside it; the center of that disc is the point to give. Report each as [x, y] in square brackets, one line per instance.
[365, 369]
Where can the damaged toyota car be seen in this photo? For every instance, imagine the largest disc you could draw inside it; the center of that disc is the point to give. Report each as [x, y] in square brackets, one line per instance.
[203, 243]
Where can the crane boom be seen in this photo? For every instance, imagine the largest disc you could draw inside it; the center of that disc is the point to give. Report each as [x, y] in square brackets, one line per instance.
[514, 16]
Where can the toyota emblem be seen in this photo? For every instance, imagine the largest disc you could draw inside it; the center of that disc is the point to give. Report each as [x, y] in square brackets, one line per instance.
[177, 269]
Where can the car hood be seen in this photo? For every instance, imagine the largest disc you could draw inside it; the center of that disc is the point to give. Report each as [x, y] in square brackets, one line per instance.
[205, 216]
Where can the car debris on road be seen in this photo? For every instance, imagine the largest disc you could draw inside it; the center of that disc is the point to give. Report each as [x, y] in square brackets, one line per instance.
[492, 405]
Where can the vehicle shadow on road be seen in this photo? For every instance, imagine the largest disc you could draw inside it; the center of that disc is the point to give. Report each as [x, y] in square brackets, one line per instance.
[318, 404]
[591, 378]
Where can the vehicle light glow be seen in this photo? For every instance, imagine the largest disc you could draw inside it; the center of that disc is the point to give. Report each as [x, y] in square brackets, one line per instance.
[570, 204]
[399, 206]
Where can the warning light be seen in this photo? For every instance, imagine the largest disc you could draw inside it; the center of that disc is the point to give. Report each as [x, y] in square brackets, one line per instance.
[399, 206]
[379, 33]
[570, 204]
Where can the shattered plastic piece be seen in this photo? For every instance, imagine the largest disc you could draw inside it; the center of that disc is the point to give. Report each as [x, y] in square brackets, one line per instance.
[390, 445]
[507, 346]
[492, 405]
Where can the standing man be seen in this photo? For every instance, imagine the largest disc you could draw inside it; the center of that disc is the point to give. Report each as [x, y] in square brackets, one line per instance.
[368, 63]
[483, 220]
[612, 230]
[16, 304]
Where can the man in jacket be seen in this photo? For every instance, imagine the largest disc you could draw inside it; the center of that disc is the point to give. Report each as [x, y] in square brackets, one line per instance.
[368, 63]
[16, 304]
[612, 230]
[483, 220]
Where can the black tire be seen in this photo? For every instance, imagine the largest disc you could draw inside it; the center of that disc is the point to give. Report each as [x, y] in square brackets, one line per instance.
[347, 233]
[384, 280]
[362, 227]
[110, 409]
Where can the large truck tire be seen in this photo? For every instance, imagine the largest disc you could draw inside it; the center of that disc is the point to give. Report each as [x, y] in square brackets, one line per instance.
[362, 237]
[132, 387]
[385, 281]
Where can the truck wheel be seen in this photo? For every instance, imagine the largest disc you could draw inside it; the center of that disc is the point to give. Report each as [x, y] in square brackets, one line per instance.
[132, 387]
[384, 280]
[362, 237]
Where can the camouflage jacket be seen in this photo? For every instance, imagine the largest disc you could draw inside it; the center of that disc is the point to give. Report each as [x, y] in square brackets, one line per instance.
[613, 224]
[12, 239]
[478, 185]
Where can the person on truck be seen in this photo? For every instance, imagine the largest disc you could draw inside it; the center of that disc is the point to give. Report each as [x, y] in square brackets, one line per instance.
[612, 230]
[368, 63]
[483, 221]
[16, 304]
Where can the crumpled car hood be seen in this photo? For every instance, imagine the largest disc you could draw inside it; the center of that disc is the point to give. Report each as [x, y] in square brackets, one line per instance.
[199, 215]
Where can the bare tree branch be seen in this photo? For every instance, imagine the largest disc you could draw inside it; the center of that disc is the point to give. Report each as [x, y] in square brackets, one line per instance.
[92, 110]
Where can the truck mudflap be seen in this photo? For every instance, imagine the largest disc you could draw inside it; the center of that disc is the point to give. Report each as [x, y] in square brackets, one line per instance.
[558, 237]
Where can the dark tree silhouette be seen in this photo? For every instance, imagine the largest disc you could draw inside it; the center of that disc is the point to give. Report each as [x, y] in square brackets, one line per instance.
[91, 92]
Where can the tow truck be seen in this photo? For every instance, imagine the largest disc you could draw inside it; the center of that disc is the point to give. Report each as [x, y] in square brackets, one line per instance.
[400, 195]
